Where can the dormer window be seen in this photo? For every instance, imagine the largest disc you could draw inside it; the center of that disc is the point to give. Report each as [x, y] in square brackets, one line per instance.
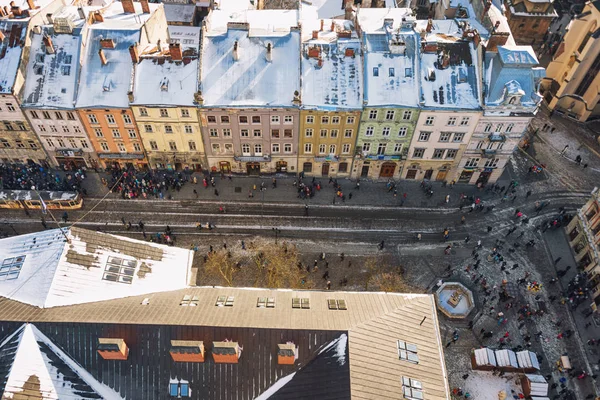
[112, 349]
[375, 71]
[226, 352]
[407, 352]
[179, 388]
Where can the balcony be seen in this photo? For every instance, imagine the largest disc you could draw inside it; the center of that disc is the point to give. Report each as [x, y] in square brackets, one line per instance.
[489, 153]
[496, 137]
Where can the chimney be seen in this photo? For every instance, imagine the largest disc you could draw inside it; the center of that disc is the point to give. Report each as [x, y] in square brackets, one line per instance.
[322, 22]
[98, 17]
[128, 7]
[15, 9]
[133, 52]
[145, 6]
[2, 13]
[496, 25]
[130, 97]
[429, 25]
[198, 98]
[6, 10]
[315, 35]
[236, 51]
[297, 100]
[497, 39]
[2, 36]
[49, 18]
[332, 29]
[175, 51]
[349, 53]
[48, 43]
[320, 63]
[348, 9]
[31, 4]
[81, 12]
[107, 43]
[269, 52]
[102, 57]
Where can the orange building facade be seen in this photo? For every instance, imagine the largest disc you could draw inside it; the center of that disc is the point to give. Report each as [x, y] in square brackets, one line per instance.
[115, 137]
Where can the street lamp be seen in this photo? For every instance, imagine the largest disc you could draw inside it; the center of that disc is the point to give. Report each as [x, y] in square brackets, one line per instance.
[277, 232]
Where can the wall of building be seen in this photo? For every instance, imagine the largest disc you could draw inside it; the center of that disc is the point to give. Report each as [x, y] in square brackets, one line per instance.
[63, 137]
[529, 27]
[436, 156]
[379, 127]
[18, 143]
[171, 136]
[492, 143]
[225, 147]
[330, 149]
[115, 142]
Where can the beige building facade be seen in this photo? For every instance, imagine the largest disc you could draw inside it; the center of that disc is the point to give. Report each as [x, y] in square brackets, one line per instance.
[18, 143]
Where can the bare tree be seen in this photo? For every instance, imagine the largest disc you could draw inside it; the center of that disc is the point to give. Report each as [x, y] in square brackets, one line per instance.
[222, 264]
[381, 276]
[277, 266]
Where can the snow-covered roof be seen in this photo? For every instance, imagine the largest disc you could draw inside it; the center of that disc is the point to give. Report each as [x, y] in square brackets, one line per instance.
[485, 356]
[513, 70]
[506, 358]
[528, 359]
[166, 82]
[252, 80]
[371, 20]
[449, 69]
[10, 52]
[52, 77]
[180, 12]
[36, 364]
[260, 22]
[24, 6]
[186, 35]
[336, 80]
[43, 270]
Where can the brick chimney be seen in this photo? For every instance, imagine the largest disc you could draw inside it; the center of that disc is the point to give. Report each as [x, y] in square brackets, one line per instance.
[102, 57]
[145, 6]
[7, 10]
[15, 9]
[236, 51]
[112, 349]
[332, 28]
[128, 7]
[175, 51]
[497, 39]
[133, 52]
[48, 43]
[315, 34]
[322, 23]
[269, 55]
[107, 43]
[98, 17]
[429, 25]
[2, 36]
[31, 4]
[348, 9]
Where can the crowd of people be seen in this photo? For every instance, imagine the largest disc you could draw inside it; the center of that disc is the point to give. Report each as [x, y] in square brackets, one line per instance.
[28, 176]
[131, 184]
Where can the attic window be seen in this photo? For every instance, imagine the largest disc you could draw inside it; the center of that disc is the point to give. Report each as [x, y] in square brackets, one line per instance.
[266, 302]
[298, 302]
[408, 72]
[462, 75]
[392, 72]
[336, 304]
[112, 349]
[226, 352]
[412, 389]
[65, 70]
[407, 352]
[38, 69]
[68, 59]
[375, 71]
[179, 389]
[187, 351]
[40, 57]
[226, 301]
[189, 301]
[119, 270]
[11, 267]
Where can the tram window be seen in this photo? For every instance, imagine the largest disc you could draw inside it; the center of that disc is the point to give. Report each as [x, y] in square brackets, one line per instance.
[64, 204]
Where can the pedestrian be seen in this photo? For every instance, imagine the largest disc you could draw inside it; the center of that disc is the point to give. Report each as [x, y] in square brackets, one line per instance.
[381, 245]
[489, 229]
[462, 219]
[528, 194]
[65, 217]
[243, 245]
[44, 223]
[557, 260]
[465, 376]
[216, 192]
[350, 196]
[342, 257]
[328, 284]
[306, 210]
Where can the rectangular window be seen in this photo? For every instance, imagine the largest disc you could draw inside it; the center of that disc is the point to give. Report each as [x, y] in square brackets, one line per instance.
[213, 132]
[70, 116]
[110, 119]
[375, 71]
[48, 141]
[137, 147]
[334, 133]
[173, 146]
[189, 129]
[458, 137]
[8, 126]
[148, 128]
[61, 143]
[369, 131]
[323, 133]
[126, 119]
[20, 144]
[288, 119]
[335, 120]
[346, 148]
[256, 119]
[192, 145]
[104, 146]
[116, 133]
[451, 154]
[308, 132]
[243, 119]
[451, 121]
[398, 148]
[373, 114]
[168, 129]
[366, 147]
[226, 132]
[490, 145]
[429, 120]
[310, 119]
[479, 144]
[307, 148]
[216, 148]
[246, 149]
[445, 136]
[244, 133]
[257, 133]
[488, 128]
[402, 131]
[411, 388]
[76, 129]
[131, 133]
[228, 148]
[438, 154]
[34, 115]
[164, 112]
[381, 149]
[348, 133]
[275, 148]
[211, 119]
[322, 148]
[418, 153]
[332, 149]
[465, 121]
[386, 131]
[53, 128]
[287, 133]
[389, 115]
[408, 72]
[509, 128]
[46, 115]
[258, 149]
[287, 148]
[324, 120]
[65, 129]
[407, 115]
[424, 136]
[21, 126]
[92, 118]
[33, 145]
[275, 119]
[185, 113]
[472, 162]
[58, 115]
[492, 163]
[84, 144]
[391, 72]
[10, 107]
[98, 132]
[275, 133]
[143, 112]
[350, 120]
[224, 119]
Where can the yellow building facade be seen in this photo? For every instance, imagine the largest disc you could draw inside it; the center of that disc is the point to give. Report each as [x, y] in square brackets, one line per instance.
[327, 142]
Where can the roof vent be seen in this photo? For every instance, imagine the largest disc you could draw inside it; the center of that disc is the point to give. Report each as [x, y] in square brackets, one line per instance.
[164, 84]
[236, 51]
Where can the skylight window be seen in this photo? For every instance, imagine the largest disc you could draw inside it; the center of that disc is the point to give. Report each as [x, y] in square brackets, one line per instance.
[11, 267]
[412, 389]
[65, 70]
[226, 301]
[336, 304]
[39, 57]
[189, 301]
[408, 72]
[298, 302]
[407, 352]
[375, 71]
[68, 59]
[119, 270]
[265, 302]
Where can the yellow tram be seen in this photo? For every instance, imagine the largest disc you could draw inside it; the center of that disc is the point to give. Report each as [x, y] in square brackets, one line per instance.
[19, 199]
